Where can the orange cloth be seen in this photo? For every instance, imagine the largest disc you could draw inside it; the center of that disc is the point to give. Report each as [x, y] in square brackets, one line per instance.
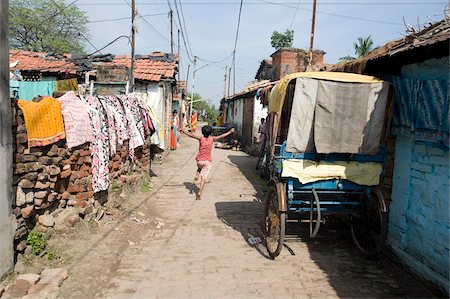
[43, 120]
[194, 122]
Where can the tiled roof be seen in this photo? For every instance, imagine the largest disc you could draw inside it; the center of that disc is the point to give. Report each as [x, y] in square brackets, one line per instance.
[43, 62]
[147, 68]
[251, 87]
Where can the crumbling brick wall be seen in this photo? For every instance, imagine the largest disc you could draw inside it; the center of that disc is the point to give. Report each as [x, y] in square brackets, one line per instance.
[53, 177]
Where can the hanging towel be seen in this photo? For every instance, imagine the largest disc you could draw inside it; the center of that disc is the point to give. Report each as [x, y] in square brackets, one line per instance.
[43, 120]
[30, 90]
[66, 85]
[76, 120]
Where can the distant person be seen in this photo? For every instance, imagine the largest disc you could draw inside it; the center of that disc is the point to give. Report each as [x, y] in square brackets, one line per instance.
[262, 130]
[193, 121]
[204, 157]
[220, 120]
[174, 130]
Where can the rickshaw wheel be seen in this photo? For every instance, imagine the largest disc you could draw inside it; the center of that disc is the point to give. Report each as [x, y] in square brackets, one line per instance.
[275, 223]
[369, 236]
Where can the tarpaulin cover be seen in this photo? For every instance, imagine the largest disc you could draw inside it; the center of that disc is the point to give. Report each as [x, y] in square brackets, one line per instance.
[337, 117]
[307, 171]
[279, 91]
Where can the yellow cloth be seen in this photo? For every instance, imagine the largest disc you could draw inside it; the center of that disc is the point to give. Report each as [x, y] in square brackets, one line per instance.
[220, 121]
[43, 120]
[278, 93]
[307, 171]
[66, 85]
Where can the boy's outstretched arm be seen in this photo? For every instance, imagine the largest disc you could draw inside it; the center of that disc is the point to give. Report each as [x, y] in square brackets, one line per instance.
[224, 134]
[191, 135]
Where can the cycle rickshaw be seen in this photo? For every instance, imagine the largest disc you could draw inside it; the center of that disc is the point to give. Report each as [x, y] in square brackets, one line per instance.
[325, 156]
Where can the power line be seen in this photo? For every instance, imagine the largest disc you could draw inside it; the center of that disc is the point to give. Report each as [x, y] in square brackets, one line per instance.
[277, 3]
[184, 24]
[189, 54]
[76, 28]
[124, 18]
[332, 14]
[295, 14]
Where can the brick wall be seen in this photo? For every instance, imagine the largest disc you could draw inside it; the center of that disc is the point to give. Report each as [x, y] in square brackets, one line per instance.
[53, 177]
[419, 211]
[288, 61]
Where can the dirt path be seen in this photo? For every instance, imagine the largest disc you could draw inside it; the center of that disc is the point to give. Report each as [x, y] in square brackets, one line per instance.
[199, 249]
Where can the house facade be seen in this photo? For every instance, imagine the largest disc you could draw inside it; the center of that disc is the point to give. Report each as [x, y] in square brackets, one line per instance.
[419, 224]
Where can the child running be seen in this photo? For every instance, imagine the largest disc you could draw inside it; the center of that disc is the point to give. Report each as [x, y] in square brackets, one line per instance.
[204, 158]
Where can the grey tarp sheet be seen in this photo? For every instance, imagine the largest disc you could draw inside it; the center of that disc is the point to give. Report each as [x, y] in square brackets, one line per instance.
[345, 118]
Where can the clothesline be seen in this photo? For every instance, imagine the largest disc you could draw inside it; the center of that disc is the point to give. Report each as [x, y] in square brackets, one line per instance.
[103, 121]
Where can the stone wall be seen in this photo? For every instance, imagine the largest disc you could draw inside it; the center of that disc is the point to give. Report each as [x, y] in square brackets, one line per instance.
[53, 177]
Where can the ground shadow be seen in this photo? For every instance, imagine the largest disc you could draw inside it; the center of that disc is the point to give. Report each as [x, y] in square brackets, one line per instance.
[246, 217]
[193, 189]
[247, 166]
[349, 272]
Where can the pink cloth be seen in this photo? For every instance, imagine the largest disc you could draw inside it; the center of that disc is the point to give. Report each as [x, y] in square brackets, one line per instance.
[205, 149]
[76, 120]
[204, 167]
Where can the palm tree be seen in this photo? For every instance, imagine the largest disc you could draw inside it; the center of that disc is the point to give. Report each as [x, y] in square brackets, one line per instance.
[363, 46]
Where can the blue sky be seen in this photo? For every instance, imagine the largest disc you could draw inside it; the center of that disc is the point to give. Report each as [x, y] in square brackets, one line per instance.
[211, 28]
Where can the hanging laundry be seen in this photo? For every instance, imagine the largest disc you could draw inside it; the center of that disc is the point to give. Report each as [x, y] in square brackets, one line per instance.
[43, 120]
[147, 120]
[76, 120]
[66, 85]
[136, 137]
[110, 117]
[100, 144]
[120, 119]
[29, 90]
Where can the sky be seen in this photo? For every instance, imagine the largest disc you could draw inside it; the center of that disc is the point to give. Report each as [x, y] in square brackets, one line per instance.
[210, 28]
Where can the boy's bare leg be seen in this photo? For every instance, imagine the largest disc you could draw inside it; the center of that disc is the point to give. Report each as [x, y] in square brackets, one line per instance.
[202, 184]
[196, 176]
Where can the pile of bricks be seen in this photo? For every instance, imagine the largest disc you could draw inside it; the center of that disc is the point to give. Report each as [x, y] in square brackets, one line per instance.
[53, 177]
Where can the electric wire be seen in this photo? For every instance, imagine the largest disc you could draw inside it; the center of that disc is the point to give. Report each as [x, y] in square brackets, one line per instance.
[76, 28]
[295, 14]
[124, 18]
[184, 24]
[277, 3]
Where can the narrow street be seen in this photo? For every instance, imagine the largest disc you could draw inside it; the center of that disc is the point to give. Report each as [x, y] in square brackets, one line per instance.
[201, 249]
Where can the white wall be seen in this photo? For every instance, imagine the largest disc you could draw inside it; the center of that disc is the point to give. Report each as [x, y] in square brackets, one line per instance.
[258, 112]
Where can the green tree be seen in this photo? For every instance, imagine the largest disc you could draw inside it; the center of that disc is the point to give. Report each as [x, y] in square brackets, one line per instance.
[47, 26]
[282, 40]
[200, 105]
[363, 46]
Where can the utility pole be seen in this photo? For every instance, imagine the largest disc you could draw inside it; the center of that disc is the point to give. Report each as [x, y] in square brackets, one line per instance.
[171, 31]
[225, 82]
[179, 56]
[229, 80]
[234, 72]
[193, 82]
[313, 23]
[133, 33]
[6, 150]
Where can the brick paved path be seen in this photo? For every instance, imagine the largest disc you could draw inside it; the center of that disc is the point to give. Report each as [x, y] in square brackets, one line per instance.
[202, 250]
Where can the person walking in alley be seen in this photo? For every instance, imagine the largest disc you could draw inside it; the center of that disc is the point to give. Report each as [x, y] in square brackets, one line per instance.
[204, 157]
